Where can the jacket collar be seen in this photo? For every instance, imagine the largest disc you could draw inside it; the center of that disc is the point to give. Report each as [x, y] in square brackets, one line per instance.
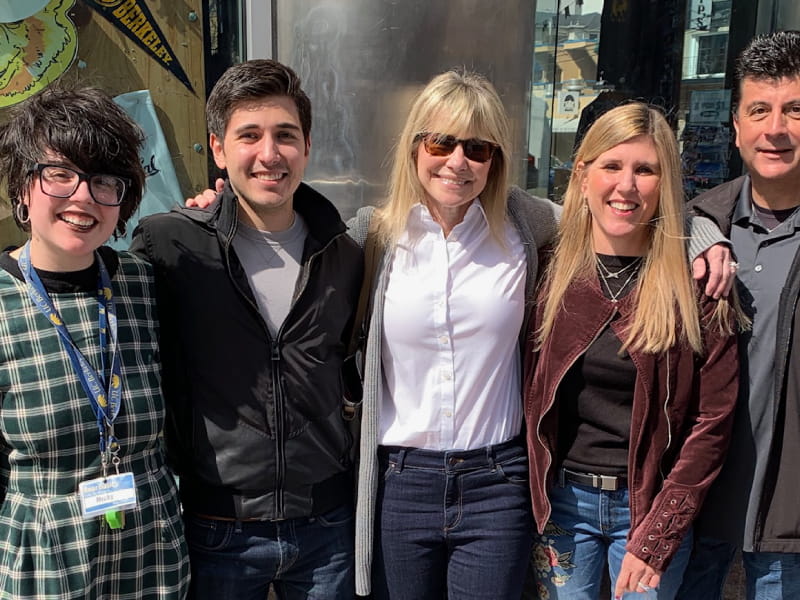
[320, 215]
[719, 203]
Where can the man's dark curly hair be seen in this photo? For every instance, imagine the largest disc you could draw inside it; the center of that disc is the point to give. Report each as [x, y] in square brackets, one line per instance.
[768, 57]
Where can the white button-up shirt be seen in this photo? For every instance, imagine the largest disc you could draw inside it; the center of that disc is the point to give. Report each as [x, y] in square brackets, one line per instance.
[452, 315]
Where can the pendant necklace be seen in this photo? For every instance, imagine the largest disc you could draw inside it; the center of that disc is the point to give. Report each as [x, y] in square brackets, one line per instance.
[606, 274]
[609, 274]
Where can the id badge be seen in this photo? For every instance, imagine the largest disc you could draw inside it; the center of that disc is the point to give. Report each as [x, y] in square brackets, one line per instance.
[115, 492]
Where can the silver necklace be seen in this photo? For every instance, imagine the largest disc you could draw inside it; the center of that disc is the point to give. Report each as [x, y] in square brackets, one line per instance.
[614, 297]
[609, 274]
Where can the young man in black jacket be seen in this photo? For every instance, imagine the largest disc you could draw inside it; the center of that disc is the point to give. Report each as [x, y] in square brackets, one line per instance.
[753, 504]
[256, 297]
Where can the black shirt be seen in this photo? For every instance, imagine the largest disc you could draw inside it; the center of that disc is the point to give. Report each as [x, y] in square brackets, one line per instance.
[596, 396]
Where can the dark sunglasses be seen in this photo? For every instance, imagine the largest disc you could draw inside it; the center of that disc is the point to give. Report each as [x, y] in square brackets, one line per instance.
[439, 144]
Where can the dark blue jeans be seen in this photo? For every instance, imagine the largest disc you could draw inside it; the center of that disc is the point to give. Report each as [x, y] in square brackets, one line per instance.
[769, 575]
[456, 523]
[302, 558]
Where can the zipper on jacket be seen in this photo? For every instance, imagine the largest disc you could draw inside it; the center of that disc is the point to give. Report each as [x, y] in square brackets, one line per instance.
[275, 357]
[280, 459]
[302, 282]
[306, 270]
[553, 400]
[665, 407]
[275, 370]
[275, 362]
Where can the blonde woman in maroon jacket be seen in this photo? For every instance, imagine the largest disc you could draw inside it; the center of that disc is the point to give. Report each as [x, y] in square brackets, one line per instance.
[631, 373]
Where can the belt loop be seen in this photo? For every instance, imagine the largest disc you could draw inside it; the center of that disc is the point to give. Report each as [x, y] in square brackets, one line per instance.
[401, 459]
[237, 526]
[490, 458]
[561, 478]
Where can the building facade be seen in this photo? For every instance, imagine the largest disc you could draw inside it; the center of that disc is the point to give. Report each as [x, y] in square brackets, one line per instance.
[556, 63]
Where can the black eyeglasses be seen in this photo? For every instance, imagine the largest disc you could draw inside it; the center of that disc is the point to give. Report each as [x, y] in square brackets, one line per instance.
[61, 182]
[439, 144]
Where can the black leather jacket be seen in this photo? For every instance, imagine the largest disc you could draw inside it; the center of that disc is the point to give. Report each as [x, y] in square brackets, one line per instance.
[255, 427]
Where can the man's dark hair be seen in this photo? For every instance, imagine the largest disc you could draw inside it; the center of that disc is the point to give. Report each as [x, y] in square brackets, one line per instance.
[86, 127]
[768, 57]
[251, 81]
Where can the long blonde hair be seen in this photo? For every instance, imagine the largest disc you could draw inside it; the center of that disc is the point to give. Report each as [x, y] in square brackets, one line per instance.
[459, 103]
[666, 302]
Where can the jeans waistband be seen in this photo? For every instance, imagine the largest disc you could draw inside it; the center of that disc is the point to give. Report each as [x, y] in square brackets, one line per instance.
[453, 460]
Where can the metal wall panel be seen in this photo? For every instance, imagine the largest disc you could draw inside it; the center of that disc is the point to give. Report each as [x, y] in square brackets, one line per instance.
[788, 14]
[361, 62]
[777, 14]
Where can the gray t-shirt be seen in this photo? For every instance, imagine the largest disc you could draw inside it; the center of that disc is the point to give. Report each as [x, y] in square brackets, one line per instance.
[271, 261]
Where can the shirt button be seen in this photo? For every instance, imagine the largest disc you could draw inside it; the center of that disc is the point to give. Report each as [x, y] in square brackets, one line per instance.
[447, 376]
[443, 339]
[448, 413]
[757, 268]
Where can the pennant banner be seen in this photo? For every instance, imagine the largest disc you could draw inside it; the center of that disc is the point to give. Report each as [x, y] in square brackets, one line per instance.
[134, 19]
[161, 189]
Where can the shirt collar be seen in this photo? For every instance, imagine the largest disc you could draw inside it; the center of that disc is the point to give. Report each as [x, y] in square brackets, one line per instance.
[743, 214]
[744, 205]
[420, 219]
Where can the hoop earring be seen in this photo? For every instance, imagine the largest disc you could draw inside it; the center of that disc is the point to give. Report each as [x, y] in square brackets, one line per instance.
[22, 213]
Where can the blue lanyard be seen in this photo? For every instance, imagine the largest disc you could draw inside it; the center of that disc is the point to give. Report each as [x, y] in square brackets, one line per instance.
[106, 404]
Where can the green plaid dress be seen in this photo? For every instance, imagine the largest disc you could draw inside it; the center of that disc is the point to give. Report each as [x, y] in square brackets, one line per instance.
[49, 444]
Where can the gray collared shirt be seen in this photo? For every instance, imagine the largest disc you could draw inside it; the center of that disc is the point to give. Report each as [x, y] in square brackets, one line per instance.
[765, 257]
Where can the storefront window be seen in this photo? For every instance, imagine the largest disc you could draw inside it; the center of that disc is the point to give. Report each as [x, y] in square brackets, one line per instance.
[565, 80]
[705, 129]
[590, 55]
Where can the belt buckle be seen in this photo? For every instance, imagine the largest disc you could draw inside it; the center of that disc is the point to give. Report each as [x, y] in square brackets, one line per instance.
[607, 483]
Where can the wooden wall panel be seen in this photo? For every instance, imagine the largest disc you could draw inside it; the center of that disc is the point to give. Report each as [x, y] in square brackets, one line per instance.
[108, 59]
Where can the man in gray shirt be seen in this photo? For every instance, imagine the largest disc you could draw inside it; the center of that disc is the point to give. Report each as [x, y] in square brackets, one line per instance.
[753, 505]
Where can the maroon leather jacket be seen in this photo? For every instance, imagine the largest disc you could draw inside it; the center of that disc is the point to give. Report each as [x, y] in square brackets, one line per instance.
[680, 426]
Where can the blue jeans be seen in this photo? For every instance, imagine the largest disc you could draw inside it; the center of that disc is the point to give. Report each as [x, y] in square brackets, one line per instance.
[302, 558]
[588, 529]
[453, 524]
[769, 575]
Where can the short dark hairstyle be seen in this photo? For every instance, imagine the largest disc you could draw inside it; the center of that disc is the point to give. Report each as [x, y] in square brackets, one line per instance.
[768, 57]
[85, 126]
[255, 80]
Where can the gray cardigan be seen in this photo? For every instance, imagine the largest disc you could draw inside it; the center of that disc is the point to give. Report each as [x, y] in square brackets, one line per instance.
[536, 221]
